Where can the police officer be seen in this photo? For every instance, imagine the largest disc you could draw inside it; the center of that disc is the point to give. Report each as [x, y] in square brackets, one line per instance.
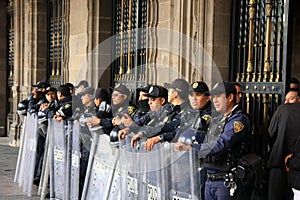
[179, 116]
[64, 109]
[200, 101]
[102, 109]
[121, 103]
[85, 135]
[37, 96]
[225, 143]
[88, 111]
[239, 92]
[120, 106]
[45, 107]
[159, 108]
[143, 106]
[81, 86]
[76, 100]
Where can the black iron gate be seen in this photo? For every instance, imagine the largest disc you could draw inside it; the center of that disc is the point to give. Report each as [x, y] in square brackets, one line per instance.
[260, 59]
[55, 34]
[129, 67]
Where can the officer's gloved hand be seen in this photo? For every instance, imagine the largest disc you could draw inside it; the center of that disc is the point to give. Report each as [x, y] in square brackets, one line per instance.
[83, 117]
[22, 108]
[191, 136]
[31, 111]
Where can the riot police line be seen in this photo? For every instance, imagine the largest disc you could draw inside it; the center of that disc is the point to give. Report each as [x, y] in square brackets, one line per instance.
[113, 172]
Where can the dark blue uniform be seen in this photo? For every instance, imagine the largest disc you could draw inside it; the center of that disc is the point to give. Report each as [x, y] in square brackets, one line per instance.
[150, 119]
[178, 116]
[64, 109]
[35, 103]
[118, 111]
[225, 143]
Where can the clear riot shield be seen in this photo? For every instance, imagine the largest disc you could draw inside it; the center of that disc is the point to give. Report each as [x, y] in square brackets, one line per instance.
[44, 174]
[74, 131]
[29, 154]
[58, 160]
[131, 167]
[101, 168]
[185, 176]
[115, 186]
[19, 170]
[43, 187]
[154, 173]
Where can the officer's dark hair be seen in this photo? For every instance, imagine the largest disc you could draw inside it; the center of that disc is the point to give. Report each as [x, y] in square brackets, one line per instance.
[294, 80]
[236, 84]
[64, 90]
[227, 95]
[70, 85]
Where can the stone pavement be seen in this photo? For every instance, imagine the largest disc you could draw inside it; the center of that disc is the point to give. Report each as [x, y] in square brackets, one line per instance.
[9, 190]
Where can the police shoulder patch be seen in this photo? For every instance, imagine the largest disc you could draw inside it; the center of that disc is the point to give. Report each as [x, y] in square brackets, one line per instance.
[131, 109]
[207, 118]
[67, 106]
[238, 126]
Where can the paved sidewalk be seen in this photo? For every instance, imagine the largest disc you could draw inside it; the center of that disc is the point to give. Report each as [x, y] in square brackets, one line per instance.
[8, 159]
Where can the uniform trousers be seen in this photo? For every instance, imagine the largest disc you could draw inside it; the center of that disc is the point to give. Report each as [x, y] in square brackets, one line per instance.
[215, 190]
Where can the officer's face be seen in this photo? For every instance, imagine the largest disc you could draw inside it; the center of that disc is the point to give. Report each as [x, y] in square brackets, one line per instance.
[97, 101]
[71, 91]
[142, 97]
[221, 103]
[291, 97]
[171, 95]
[239, 94]
[155, 103]
[117, 97]
[59, 95]
[86, 99]
[198, 100]
[50, 96]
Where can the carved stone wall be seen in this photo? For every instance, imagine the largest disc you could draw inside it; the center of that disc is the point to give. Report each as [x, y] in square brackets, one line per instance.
[87, 30]
[205, 22]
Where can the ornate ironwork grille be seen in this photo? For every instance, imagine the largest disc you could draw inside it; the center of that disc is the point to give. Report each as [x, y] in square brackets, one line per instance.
[259, 60]
[55, 41]
[130, 44]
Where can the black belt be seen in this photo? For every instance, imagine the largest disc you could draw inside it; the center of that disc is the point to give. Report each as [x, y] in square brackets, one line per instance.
[217, 177]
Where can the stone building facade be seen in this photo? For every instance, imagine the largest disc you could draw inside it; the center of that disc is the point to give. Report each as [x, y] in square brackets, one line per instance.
[71, 40]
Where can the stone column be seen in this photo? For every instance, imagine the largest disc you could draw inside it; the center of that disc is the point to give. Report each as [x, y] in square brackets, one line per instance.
[30, 24]
[3, 67]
